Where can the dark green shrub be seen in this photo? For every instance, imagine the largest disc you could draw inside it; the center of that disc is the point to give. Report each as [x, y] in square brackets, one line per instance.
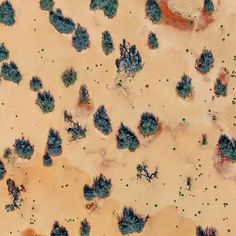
[10, 72]
[4, 53]
[54, 143]
[126, 139]
[129, 222]
[76, 131]
[64, 25]
[220, 88]
[142, 171]
[102, 121]
[152, 40]
[68, 117]
[36, 83]
[69, 77]
[46, 5]
[107, 43]
[208, 6]
[84, 94]
[58, 230]
[88, 193]
[7, 13]
[184, 86]
[153, 11]
[205, 61]
[209, 231]
[23, 148]
[130, 61]
[84, 228]
[109, 7]
[47, 160]
[45, 101]
[227, 147]
[2, 170]
[148, 124]
[80, 39]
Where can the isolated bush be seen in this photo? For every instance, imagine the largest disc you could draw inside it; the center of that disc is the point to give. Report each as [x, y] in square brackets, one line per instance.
[148, 124]
[126, 139]
[76, 131]
[23, 148]
[152, 40]
[47, 160]
[130, 61]
[36, 83]
[68, 117]
[2, 170]
[184, 86]
[46, 5]
[227, 147]
[4, 53]
[101, 188]
[84, 228]
[54, 143]
[64, 25]
[107, 43]
[69, 77]
[143, 172]
[102, 121]
[220, 88]
[208, 6]
[209, 231]
[7, 153]
[10, 72]
[153, 11]
[84, 94]
[130, 222]
[7, 13]
[109, 7]
[80, 39]
[45, 101]
[58, 230]
[205, 61]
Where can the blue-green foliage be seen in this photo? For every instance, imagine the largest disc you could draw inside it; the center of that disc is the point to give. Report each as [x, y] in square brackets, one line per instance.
[47, 160]
[45, 101]
[58, 230]
[23, 148]
[10, 72]
[220, 88]
[209, 231]
[2, 170]
[184, 86]
[36, 83]
[126, 139]
[102, 121]
[109, 7]
[4, 53]
[107, 43]
[148, 124]
[69, 77]
[76, 131]
[101, 188]
[153, 11]
[130, 61]
[84, 94]
[208, 6]
[152, 40]
[80, 39]
[205, 62]
[54, 143]
[7, 13]
[130, 222]
[64, 25]
[227, 147]
[84, 228]
[46, 5]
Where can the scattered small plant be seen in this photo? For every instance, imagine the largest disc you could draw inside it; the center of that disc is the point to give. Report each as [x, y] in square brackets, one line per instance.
[84, 95]
[153, 11]
[84, 228]
[227, 147]
[189, 182]
[76, 131]
[152, 40]
[2, 170]
[69, 77]
[23, 148]
[7, 13]
[58, 230]
[68, 117]
[10, 72]
[46, 5]
[126, 139]
[4, 53]
[205, 61]
[80, 39]
[54, 143]
[64, 25]
[47, 160]
[204, 140]
[102, 121]
[45, 101]
[36, 84]
[7, 153]
[220, 88]
[208, 6]
[209, 231]
[107, 43]
[184, 86]
[142, 171]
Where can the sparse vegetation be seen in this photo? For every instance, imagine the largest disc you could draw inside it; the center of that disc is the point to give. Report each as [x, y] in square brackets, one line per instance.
[204, 140]
[64, 25]
[23, 148]
[142, 171]
[220, 88]
[126, 139]
[184, 86]
[45, 101]
[152, 40]
[47, 160]
[227, 147]
[84, 95]
[80, 39]
[7, 13]
[46, 5]
[68, 117]
[205, 61]
[10, 72]
[7, 153]
[84, 228]
[69, 77]
[2, 170]
[148, 124]
[76, 131]
[58, 230]
[54, 143]
[153, 11]
[208, 6]
[189, 183]
[4, 53]
[36, 83]
[209, 231]
[107, 43]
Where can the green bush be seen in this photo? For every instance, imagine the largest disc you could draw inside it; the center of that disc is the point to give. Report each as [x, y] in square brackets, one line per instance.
[7, 13]
[46, 5]
[227, 147]
[208, 6]
[84, 94]
[4, 53]
[36, 84]
[84, 228]
[107, 43]
[47, 160]
[54, 143]
[148, 124]
[220, 88]
[10, 72]
[80, 39]
[45, 101]
[205, 61]
[23, 148]
[152, 40]
[153, 11]
[76, 131]
[109, 7]
[69, 77]
[2, 170]
[58, 230]
[184, 86]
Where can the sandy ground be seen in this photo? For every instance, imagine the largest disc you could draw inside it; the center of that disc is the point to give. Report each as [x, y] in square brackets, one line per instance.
[56, 193]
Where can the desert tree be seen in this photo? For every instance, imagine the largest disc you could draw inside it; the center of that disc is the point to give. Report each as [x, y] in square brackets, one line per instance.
[153, 11]
[220, 88]
[143, 172]
[205, 61]
[80, 38]
[7, 13]
[62, 24]
[107, 42]
[184, 86]
[152, 40]
[84, 97]
[47, 160]
[227, 147]
[58, 230]
[23, 148]
[10, 72]
[54, 143]
[2, 170]
[85, 228]
[46, 5]
[4, 53]
[45, 101]
[69, 77]
[76, 131]
[208, 6]
[36, 84]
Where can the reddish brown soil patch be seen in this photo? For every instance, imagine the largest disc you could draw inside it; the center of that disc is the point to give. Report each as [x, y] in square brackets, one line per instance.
[204, 21]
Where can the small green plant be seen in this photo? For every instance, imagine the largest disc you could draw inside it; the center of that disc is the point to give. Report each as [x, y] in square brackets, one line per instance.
[143, 172]
[7, 13]
[58, 230]
[84, 228]
[23, 148]
[2, 170]
[4, 53]
[148, 124]
[68, 117]
[54, 143]
[152, 40]
[84, 94]
[184, 86]
[69, 77]
[153, 11]
[7, 153]
[208, 231]
[47, 160]
[208, 6]
[205, 61]
[107, 43]
[76, 131]
[10, 72]
[36, 84]
[80, 39]
[220, 88]
[46, 5]
[45, 101]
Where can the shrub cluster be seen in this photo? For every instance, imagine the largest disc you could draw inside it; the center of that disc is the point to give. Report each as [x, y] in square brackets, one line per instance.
[130, 222]
[152, 40]
[46, 5]
[4, 53]
[107, 43]
[126, 139]
[23, 148]
[209, 231]
[76, 131]
[102, 121]
[109, 7]
[142, 171]
[227, 147]
[47, 160]
[45, 101]
[153, 11]
[220, 88]
[54, 143]
[80, 39]
[84, 228]
[69, 77]
[130, 61]
[101, 188]
[58, 230]
[208, 6]
[184, 86]
[205, 61]
[148, 124]
[7, 13]
[10, 72]
[64, 25]
[2, 170]
[84, 94]
[36, 83]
